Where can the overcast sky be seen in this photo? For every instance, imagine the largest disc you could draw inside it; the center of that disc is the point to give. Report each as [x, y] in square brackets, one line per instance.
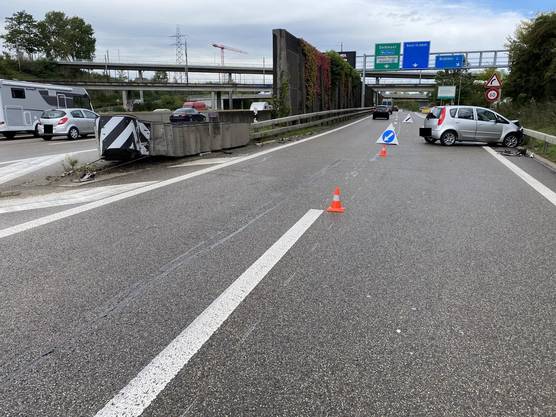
[140, 29]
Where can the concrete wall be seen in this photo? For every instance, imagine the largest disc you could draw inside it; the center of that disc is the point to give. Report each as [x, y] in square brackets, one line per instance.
[192, 139]
[288, 64]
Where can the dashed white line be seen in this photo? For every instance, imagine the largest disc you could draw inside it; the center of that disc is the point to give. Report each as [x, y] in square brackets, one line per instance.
[132, 400]
[534, 183]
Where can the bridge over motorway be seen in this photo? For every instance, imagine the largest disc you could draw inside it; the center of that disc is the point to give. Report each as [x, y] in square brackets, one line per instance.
[475, 60]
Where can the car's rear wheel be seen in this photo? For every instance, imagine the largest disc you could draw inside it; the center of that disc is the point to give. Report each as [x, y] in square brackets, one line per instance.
[9, 135]
[428, 139]
[511, 140]
[448, 138]
[73, 133]
[36, 133]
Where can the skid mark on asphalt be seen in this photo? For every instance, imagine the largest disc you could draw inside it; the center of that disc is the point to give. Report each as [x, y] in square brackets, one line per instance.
[65, 198]
[9, 231]
[142, 390]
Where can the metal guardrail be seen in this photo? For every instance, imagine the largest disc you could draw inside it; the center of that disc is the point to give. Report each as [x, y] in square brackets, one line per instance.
[540, 136]
[287, 124]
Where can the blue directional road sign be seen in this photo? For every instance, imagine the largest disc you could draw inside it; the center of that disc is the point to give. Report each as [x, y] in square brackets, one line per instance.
[449, 61]
[388, 137]
[416, 55]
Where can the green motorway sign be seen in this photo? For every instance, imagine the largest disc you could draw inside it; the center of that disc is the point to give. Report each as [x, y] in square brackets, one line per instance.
[387, 56]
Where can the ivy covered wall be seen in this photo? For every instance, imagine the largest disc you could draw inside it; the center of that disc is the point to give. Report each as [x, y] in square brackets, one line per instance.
[307, 80]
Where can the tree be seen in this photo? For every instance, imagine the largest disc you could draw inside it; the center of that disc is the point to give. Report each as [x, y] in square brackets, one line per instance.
[80, 39]
[161, 76]
[65, 37]
[533, 60]
[467, 91]
[21, 34]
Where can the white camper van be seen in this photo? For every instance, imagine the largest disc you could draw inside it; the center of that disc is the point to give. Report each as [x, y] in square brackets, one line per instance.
[22, 103]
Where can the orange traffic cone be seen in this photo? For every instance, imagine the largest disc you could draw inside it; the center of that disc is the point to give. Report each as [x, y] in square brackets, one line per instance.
[383, 153]
[336, 206]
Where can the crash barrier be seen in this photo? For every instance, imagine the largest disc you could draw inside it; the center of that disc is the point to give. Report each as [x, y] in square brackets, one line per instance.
[126, 137]
[274, 127]
[193, 139]
[123, 137]
[546, 138]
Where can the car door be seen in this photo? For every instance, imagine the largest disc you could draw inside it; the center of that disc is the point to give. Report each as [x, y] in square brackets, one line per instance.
[488, 128]
[465, 122]
[79, 120]
[90, 119]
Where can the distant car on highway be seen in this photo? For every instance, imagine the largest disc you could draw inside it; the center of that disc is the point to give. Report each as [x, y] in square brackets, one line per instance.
[161, 110]
[382, 112]
[72, 123]
[451, 124]
[187, 114]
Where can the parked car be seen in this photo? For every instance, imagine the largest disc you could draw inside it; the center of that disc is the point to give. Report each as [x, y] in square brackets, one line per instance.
[187, 114]
[161, 110]
[381, 112]
[72, 123]
[451, 124]
[395, 108]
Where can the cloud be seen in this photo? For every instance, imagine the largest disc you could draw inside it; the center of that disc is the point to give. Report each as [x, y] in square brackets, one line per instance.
[140, 29]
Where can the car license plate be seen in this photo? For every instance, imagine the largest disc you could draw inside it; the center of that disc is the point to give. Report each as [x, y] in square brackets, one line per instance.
[48, 128]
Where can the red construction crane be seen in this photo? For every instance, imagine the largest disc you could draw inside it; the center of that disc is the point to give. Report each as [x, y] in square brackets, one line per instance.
[229, 48]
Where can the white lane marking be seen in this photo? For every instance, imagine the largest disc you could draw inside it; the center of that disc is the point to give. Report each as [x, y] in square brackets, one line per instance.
[70, 142]
[133, 399]
[95, 204]
[208, 161]
[536, 184]
[21, 167]
[67, 197]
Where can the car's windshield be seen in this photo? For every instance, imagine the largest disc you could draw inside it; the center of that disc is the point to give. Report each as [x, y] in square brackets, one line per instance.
[434, 113]
[186, 110]
[53, 114]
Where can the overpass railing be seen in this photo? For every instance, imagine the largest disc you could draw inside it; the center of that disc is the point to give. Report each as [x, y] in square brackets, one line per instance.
[275, 127]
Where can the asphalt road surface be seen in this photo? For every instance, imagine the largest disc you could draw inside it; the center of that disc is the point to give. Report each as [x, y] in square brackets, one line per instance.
[226, 290]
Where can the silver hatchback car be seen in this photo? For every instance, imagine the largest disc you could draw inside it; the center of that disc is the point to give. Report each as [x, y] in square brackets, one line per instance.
[67, 122]
[451, 124]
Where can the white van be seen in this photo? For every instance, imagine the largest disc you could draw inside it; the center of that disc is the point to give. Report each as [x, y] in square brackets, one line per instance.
[22, 103]
[260, 105]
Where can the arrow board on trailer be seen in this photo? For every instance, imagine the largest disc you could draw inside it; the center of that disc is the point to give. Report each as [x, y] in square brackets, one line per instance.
[408, 119]
[388, 137]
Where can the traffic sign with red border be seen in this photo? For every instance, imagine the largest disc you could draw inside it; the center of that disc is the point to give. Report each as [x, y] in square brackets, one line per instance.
[494, 82]
[492, 95]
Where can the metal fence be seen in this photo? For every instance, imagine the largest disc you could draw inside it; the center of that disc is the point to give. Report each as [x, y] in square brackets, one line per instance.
[274, 127]
[544, 137]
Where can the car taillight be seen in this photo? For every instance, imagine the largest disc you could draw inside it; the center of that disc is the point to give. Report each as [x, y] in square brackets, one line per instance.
[442, 116]
[63, 120]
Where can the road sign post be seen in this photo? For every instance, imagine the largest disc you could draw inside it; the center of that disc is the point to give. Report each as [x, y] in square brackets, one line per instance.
[387, 56]
[416, 55]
